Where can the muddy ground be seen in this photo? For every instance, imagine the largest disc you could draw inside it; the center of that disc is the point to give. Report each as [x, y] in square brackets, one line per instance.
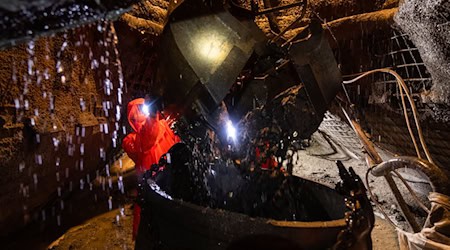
[111, 230]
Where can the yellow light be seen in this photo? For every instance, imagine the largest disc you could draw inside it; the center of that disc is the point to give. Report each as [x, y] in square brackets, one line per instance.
[213, 47]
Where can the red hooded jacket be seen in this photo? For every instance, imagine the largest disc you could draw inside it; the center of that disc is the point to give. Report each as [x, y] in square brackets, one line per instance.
[151, 138]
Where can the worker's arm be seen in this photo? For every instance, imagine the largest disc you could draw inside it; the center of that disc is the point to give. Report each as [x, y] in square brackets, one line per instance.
[130, 147]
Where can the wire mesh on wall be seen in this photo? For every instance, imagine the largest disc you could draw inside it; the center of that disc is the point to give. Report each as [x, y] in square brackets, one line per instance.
[379, 100]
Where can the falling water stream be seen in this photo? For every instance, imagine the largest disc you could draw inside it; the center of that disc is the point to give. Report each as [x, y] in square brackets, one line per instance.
[68, 136]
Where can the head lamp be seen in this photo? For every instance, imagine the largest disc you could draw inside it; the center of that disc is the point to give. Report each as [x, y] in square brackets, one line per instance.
[145, 109]
[231, 131]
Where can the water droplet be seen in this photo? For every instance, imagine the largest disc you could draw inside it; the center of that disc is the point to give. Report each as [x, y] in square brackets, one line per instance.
[110, 203]
[16, 103]
[46, 74]
[82, 105]
[59, 67]
[105, 128]
[35, 179]
[38, 159]
[94, 64]
[56, 144]
[102, 154]
[169, 159]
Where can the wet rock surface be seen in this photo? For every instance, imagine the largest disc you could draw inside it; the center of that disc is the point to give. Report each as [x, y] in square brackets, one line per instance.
[53, 139]
[111, 230]
[25, 20]
[426, 23]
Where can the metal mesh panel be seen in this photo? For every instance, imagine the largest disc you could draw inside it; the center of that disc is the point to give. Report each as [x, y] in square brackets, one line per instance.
[392, 50]
[342, 134]
[378, 98]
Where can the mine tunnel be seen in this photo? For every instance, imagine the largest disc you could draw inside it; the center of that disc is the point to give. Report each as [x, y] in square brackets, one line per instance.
[235, 124]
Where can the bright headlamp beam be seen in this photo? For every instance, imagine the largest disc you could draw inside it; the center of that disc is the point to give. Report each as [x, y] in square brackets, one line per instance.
[231, 131]
[146, 109]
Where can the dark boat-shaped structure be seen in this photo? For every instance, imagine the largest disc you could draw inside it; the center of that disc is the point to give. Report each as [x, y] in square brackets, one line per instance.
[176, 224]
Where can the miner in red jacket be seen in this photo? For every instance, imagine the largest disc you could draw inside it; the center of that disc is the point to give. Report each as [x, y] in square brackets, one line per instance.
[150, 139]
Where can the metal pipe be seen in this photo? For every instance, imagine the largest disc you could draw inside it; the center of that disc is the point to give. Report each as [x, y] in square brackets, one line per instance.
[401, 202]
[413, 194]
[439, 181]
[373, 154]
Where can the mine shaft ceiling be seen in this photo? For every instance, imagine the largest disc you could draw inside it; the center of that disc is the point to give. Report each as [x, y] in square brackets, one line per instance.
[25, 20]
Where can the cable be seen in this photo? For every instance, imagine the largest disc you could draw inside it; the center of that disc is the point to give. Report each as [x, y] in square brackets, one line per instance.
[414, 181]
[411, 133]
[369, 189]
[402, 86]
[413, 194]
[404, 111]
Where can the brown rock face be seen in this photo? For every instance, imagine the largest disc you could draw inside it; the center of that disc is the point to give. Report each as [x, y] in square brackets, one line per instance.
[427, 26]
[57, 120]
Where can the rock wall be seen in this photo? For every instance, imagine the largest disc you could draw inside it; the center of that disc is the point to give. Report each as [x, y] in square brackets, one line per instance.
[56, 125]
[427, 24]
